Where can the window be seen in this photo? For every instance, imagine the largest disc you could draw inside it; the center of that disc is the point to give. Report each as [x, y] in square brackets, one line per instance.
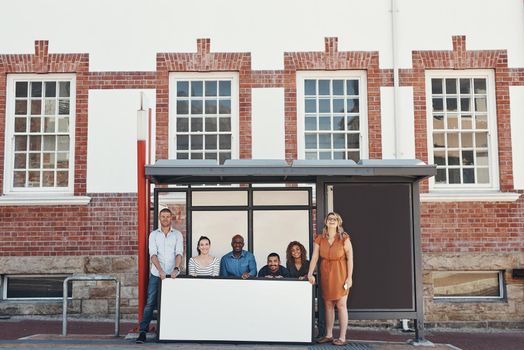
[332, 115]
[468, 284]
[204, 116]
[35, 287]
[462, 129]
[40, 133]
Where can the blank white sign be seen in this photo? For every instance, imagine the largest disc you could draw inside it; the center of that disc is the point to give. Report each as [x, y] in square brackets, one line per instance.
[193, 309]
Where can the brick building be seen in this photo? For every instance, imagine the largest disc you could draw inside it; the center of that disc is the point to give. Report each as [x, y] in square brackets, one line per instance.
[438, 81]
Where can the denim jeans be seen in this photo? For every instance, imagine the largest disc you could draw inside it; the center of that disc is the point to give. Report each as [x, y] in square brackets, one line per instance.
[152, 293]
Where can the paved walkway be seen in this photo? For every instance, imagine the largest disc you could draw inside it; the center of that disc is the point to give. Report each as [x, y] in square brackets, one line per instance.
[44, 334]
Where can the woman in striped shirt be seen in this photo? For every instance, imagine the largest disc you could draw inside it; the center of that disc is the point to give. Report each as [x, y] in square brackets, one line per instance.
[204, 264]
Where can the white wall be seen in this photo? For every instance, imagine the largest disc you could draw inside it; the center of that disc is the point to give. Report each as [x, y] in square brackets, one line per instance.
[111, 146]
[127, 34]
[406, 127]
[516, 94]
[267, 122]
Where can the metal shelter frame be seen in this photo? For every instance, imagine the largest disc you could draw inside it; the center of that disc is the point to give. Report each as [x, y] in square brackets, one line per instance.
[322, 173]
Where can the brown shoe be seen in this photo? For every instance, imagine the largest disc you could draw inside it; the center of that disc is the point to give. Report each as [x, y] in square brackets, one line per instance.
[339, 342]
[325, 340]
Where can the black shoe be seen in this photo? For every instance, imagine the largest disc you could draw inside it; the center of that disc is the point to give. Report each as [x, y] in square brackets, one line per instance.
[141, 338]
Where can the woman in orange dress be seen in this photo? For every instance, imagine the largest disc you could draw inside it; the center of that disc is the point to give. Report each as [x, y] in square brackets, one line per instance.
[333, 246]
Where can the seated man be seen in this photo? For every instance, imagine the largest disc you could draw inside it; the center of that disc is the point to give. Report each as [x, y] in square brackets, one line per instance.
[273, 269]
[239, 262]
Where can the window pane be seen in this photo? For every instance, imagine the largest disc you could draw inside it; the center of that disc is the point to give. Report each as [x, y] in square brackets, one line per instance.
[353, 140]
[324, 123]
[48, 179]
[21, 89]
[223, 156]
[211, 107]
[311, 123]
[62, 178]
[21, 124]
[224, 107]
[338, 123]
[310, 87]
[49, 143]
[182, 107]
[211, 88]
[37, 287]
[21, 107]
[468, 175]
[338, 87]
[438, 105]
[352, 87]
[182, 88]
[466, 122]
[323, 87]
[63, 107]
[438, 122]
[481, 139]
[311, 106]
[480, 105]
[224, 88]
[452, 121]
[209, 155]
[19, 179]
[36, 89]
[467, 158]
[49, 124]
[50, 107]
[481, 121]
[224, 142]
[479, 86]
[441, 176]
[451, 104]
[466, 284]
[353, 122]
[196, 106]
[35, 143]
[355, 156]
[48, 160]
[211, 124]
[353, 105]
[33, 179]
[182, 155]
[182, 124]
[65, 89]
[454, 176]
[453, 140]
[483, 175]
[197, 125]
[197, 142]
[339, 155]
[453, 158]
[438, 140]
[50, 89]
[436, 86]
[465, 86]
[440, 158]
[339, 141]
[196, 88]
[35, 125]
[311, 141]
[467, 139]
[62, 160]
[324, 106]
[211, 142]
[324, 141]
[20, 160]
[225, 124]
[62, 143]
[182, 142]
[451, 86]
[311, 155]
[482, 158]
[36, 107]
[20, 143]
[324, 155]
[338, 106]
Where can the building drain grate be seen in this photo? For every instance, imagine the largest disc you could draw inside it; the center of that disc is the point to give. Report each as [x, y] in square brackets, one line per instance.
[348, 346]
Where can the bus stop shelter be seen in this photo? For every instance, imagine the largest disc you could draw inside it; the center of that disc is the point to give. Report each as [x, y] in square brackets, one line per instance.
[271, 203]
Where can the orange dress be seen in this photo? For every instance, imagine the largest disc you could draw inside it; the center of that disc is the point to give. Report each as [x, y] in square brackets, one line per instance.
[333, 267]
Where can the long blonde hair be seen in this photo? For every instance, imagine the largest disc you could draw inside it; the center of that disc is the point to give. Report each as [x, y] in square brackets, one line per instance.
[340, 230]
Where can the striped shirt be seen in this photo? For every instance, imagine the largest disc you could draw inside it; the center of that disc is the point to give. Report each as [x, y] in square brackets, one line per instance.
[195, 269]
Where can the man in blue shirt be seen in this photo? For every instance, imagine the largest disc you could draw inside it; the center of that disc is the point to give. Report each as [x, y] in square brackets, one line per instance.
[238, 263]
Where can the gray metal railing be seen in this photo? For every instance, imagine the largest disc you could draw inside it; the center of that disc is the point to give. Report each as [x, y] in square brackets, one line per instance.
[91, 278]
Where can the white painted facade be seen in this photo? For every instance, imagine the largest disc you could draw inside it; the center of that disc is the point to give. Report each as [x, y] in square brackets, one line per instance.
[126, 35]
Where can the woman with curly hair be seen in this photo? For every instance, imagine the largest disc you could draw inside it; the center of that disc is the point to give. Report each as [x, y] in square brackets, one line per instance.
[333, 247]
[296, 260]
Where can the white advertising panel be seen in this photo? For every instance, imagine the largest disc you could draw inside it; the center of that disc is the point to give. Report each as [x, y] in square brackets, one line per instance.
[193, 309]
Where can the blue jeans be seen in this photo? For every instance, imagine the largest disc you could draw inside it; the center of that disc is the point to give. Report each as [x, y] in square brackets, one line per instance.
[152, 293]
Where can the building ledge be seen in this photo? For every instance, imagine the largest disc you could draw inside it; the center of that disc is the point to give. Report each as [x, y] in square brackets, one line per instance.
[14, 200]
[484, 196]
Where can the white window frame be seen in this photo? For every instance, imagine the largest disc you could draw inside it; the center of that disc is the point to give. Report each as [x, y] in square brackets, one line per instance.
[361, 75]
[5, 285]
[501, 295]
[489, 75]
[235, 109]
[9, 136]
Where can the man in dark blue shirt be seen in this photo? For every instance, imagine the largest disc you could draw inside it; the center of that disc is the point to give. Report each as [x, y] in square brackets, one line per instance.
[239, 262]
[273, 269]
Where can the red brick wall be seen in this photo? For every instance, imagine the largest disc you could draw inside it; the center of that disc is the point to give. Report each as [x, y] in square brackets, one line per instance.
[454, 227]
[43, 62]
[107, 226]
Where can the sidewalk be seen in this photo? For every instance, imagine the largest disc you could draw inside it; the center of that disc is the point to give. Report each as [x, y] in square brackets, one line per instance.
[24, 333]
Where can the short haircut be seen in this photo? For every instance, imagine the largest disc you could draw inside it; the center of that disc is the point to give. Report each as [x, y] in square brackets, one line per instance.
[166, 210]
[273, 254]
